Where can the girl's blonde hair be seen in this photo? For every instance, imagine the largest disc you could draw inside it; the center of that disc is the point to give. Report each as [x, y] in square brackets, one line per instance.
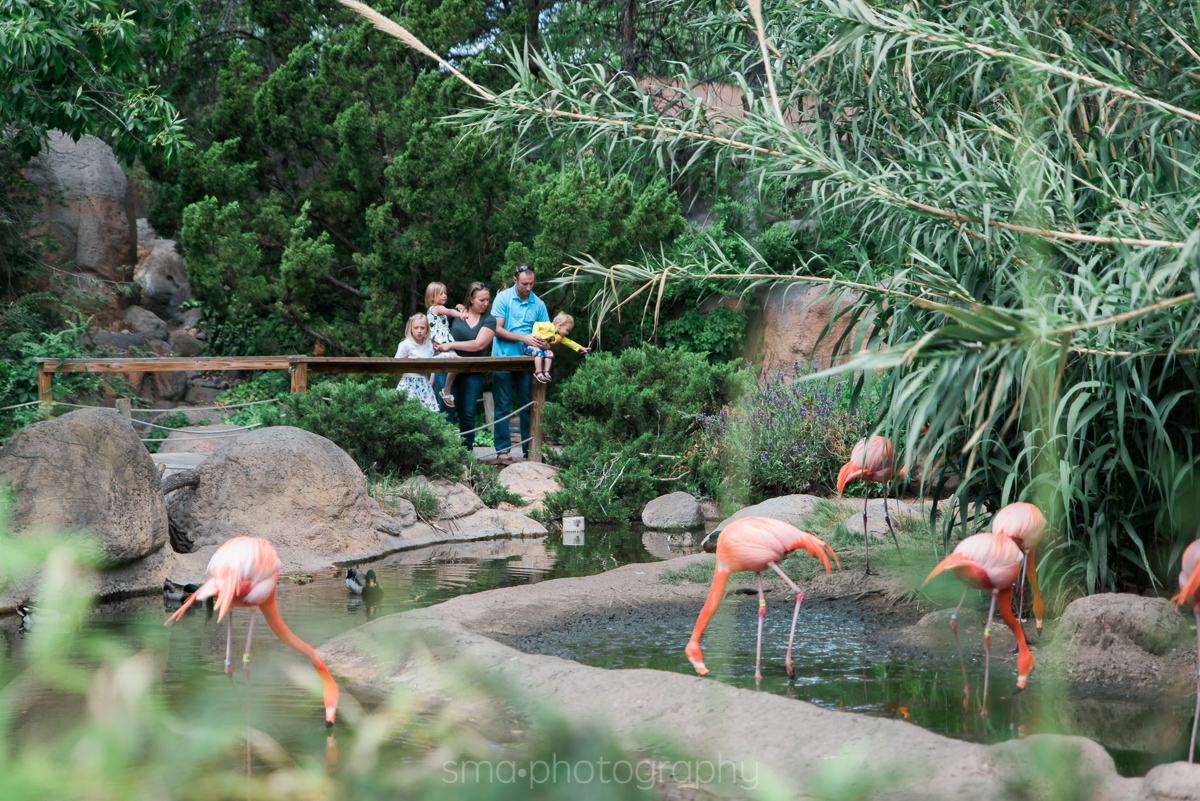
[563, 317]
[432, 292]
[408, 326]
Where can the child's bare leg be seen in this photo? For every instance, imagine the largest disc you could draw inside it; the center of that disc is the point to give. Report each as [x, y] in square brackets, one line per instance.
[537, 364]
[549, 362]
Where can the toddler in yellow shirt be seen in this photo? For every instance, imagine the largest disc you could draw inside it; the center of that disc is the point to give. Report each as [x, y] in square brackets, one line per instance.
[552, 334]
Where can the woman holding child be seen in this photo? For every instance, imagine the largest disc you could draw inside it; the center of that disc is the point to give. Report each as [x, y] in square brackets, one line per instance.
[472, 333]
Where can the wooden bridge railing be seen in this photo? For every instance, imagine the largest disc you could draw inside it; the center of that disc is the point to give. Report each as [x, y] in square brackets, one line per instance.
[300, 367]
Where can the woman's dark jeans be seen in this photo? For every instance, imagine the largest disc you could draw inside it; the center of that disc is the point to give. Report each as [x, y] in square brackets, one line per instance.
[467, 389]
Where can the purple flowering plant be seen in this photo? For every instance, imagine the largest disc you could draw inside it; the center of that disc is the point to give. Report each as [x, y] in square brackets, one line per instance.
[784, 435]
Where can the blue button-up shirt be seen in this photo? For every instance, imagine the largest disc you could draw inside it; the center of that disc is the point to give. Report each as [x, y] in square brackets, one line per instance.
[519, 317]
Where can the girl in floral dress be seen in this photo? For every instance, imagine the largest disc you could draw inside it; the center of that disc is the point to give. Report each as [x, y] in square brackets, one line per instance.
[439, 332]
[417, 345]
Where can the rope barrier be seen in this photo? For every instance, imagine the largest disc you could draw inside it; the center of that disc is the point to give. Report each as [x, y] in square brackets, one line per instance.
[497, 420]
[20, 405]
[221, 435]
[206, 408]
[193, 428]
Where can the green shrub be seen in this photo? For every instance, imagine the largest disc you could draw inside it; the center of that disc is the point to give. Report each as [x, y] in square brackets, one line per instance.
[380, 429]
[717, 333]
[616, 409]
[485, 482]
[782, 437]
[27, 331]
[264, 385]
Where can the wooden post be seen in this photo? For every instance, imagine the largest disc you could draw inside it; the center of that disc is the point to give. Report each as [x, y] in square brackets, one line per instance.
[125, 407]
[299, 371]
[489, 409]
[535, 421]
[43, 379]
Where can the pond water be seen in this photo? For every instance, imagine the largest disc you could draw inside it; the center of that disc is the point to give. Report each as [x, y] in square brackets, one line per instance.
[839, 663]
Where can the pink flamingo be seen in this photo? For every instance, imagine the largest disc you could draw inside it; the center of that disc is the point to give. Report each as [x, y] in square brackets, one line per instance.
[244, 573]
[1024, 524]
[1189, 584]
[755, 543]
[871, 460]
[990, 562]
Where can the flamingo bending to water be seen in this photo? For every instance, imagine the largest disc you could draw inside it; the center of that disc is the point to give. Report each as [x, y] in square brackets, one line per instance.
[1189, 591]
[871, 460]
[990, 562]
[1024, 524]
[755, 543]
[244, 573]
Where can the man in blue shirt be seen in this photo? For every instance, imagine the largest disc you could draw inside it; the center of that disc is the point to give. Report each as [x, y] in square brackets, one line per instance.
[516, 309]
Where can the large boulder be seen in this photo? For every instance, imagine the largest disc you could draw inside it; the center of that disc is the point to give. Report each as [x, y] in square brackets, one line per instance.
[876, 522]
[87, 205]
[531, 481]
[146, 323]
[163, 278]
[185, 345]
[1116, 642]
[788, 508]
[789, 324]
[88, 471]
[673, 512]
[455, 500]
[290, 486]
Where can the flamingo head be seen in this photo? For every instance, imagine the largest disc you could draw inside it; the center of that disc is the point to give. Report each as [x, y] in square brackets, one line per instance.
[1024, 666]
[848, 473]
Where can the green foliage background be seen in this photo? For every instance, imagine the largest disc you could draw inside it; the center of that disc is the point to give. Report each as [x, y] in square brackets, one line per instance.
[625, 423]
[381, 429]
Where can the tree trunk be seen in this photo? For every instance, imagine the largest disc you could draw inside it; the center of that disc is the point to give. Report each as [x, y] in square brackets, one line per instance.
[628, 18]
[533, 13]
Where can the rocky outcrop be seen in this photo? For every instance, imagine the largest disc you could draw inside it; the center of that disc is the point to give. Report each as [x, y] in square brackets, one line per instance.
[788, 508]
[146, 323]
[876, 522]
[87, 471]
[455, 500]
[162, 276]
[673, 512]
[788, 327]
[1125, 643]
[531, 481]
[87, 205]
[290, 486]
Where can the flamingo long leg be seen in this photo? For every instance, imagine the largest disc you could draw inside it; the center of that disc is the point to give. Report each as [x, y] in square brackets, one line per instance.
[1196, 716]
[762, 611]
[229, 647]
[1021, 599]
[246, 655]
[866, 543]
[888, 519]
[961, 663]
[1021, 584]
[787, 661]
[987, 650]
